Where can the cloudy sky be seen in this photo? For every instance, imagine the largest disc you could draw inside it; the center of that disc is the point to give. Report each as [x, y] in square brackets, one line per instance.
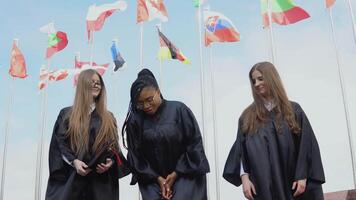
[305, 58]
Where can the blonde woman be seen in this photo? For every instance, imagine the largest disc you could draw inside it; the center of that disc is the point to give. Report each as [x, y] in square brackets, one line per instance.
[82, 161]
[276, 155]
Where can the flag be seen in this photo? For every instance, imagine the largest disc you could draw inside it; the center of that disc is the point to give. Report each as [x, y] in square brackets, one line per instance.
[198, 3]
[54, 75]
[219, 28]
[148, 10]
[17, 63]
[83, 65]
[167, 50]
[97, 14]
[283, 12]
[57, 40]
[329, 3]
[117, 58]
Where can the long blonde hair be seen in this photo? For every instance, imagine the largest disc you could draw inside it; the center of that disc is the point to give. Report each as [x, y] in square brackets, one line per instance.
[255, 115]
[79, 118]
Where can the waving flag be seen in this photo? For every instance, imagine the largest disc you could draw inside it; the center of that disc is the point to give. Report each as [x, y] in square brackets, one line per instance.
[219, 28]
[148, 10]
[54, 75]
[116, 56]
[17, 63]
[329, 3]
[283, 12]
[198, 3]
[57, 40]
[80, 66]
[97, 14]
[167, 50]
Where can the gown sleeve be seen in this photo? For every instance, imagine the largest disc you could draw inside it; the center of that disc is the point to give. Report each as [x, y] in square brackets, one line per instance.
[193, 161]
[232, 169]
[309, 164]
[140, 167]
[59, 148]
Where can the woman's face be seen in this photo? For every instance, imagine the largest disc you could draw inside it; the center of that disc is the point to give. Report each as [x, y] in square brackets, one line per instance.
[95, 86]
[149, 100]
[259, 84]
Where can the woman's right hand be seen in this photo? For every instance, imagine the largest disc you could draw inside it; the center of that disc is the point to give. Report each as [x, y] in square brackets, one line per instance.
[248, 187]
[81, 167]
[162, 184]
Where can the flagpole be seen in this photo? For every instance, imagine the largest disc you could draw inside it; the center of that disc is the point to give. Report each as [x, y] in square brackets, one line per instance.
[216, 143]
[202, 85]
[202, 88]
[91, 48]
[270, 28]
[7, 131]
[344, 98]
[141, 45]
[159, 26]
[352, 19]
[39, 162]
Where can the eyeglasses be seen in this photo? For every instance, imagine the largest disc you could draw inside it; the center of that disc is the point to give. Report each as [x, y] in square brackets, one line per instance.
[149, 100]
[95, 84]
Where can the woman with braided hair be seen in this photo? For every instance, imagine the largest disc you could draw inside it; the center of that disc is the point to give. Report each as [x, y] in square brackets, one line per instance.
[164, 144]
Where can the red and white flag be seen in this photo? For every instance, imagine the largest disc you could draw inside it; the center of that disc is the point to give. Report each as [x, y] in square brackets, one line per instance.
[17, 63]
[97, 14]
[54, 75]
[83, 65]
[148, 10]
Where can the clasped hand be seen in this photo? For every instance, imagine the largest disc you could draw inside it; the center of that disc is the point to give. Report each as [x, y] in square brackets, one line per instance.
[166, 185]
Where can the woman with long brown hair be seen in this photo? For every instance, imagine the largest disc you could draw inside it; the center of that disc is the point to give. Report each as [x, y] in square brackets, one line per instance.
[82, 157]
[276, 155]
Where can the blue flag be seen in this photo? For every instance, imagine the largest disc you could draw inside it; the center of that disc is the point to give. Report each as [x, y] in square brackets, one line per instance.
[117, 58]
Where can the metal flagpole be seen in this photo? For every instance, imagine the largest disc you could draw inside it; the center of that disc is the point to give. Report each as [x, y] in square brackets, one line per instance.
[39, 162]
[216, 143]
[202, 80]
[141, 45]
[202, 85]
[270, 28]
[91, 48]
[7, 131]
[344, 98]
[352, 19]
[159, 26]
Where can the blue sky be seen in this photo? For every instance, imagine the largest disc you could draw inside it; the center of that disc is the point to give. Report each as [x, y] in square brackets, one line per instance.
[305, 59]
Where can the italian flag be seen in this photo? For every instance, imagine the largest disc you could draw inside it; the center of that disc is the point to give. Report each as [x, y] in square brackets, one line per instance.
[283, 12]
[56, 42]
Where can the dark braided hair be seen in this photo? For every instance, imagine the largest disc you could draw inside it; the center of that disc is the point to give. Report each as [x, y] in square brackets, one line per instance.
[145, 78]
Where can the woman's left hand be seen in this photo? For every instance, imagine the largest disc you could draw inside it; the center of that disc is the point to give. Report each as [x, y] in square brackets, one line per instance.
[299, 187]
[171, 178]
[103, 167]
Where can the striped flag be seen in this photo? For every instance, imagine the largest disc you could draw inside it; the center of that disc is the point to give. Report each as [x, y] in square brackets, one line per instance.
[168, 50]
[283, 12]
[219, 28]
[97, 14]
[148, 10]
[54, 75]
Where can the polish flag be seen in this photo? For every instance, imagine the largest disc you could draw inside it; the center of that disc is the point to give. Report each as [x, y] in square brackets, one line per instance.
[97, 14]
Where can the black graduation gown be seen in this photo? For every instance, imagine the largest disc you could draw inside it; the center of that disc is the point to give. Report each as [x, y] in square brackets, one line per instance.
[274, 161]
[167, 141]
[64, 183]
